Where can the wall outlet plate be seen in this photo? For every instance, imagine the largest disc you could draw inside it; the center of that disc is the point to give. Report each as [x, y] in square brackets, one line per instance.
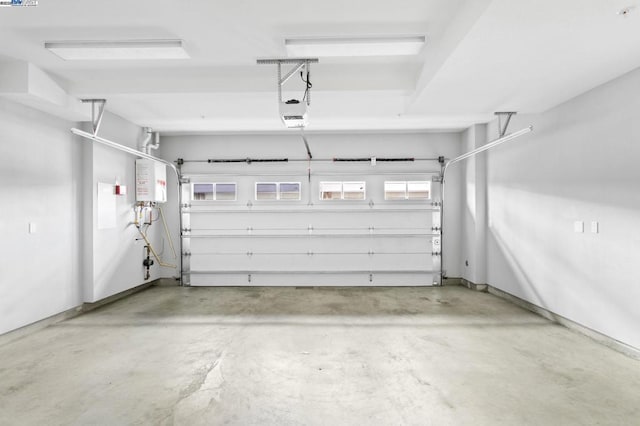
[578, 227]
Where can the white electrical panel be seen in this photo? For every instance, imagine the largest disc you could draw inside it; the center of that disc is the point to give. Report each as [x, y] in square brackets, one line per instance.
[151, 181]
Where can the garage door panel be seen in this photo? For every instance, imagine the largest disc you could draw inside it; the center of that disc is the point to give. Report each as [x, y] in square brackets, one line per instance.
[312, 279]
[311, 262]
[325, 244]
[310, 241]
[300, 220]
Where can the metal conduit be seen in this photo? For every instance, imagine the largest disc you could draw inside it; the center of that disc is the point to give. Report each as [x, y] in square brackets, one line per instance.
[486, 147]
[124, 148]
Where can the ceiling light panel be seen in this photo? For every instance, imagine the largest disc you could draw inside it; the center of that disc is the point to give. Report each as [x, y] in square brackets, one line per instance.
[118, 50]
[354, 46]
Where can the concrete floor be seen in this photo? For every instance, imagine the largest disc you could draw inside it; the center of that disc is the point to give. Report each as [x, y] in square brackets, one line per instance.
[284, 356]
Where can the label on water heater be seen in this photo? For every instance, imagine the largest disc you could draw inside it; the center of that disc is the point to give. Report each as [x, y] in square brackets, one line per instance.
[151, 181]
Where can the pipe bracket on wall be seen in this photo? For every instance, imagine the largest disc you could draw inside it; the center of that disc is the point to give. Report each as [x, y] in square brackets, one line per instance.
[96, 115]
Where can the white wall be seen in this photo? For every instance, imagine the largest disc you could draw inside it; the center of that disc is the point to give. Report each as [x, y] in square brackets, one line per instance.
[473, 215]
[326, 146]
[114, 257]
[39, 183]
[580, 164]
[49, 177]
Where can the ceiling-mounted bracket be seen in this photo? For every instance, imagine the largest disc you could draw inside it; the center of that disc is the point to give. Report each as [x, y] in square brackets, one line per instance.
[508, 114]
[96, 116]
[299, 65]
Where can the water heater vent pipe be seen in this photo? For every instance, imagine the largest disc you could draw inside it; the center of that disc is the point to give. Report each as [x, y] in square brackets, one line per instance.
[146, 146]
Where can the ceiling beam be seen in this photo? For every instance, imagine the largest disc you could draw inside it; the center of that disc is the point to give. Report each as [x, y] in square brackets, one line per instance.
[25, 83]
[438, 51]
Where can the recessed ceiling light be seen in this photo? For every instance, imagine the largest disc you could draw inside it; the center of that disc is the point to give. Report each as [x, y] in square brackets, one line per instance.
[117, 50]
[354, 46]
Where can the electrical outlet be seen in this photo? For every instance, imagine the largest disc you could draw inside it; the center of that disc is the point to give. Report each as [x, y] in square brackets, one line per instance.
[32, 228]
[595, 227]
[578, 227]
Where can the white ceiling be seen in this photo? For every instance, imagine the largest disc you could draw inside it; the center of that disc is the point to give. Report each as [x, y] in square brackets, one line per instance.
[481, 56]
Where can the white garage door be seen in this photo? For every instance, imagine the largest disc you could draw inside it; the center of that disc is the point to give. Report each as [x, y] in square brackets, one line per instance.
[375, 226]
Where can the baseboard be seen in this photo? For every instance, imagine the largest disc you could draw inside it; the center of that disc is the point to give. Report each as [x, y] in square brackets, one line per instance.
[70, 313]
[167, 282]
[452, 281]
[473, 286]
[86, 307]
[603, 339]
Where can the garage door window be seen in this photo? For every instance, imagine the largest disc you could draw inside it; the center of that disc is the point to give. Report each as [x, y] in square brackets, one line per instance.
[419, 190]
[353, 190]
[342, 190]
[401, 190]
[202, 192]
[289, 190]
[225, 191]
[395, 190]
[278, 191]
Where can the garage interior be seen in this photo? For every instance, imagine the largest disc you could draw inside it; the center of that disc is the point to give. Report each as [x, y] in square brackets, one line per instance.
[319, 213]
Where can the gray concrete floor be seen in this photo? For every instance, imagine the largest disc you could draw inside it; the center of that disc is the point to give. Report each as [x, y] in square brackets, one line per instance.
[284, 356]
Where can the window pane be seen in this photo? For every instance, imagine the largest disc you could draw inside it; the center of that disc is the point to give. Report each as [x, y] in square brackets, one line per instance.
[395, 190]
[289, 191]
[266, 191]
[225, 191]
[353, 190]
[330, 190]
[419, 190]
[202, 191]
